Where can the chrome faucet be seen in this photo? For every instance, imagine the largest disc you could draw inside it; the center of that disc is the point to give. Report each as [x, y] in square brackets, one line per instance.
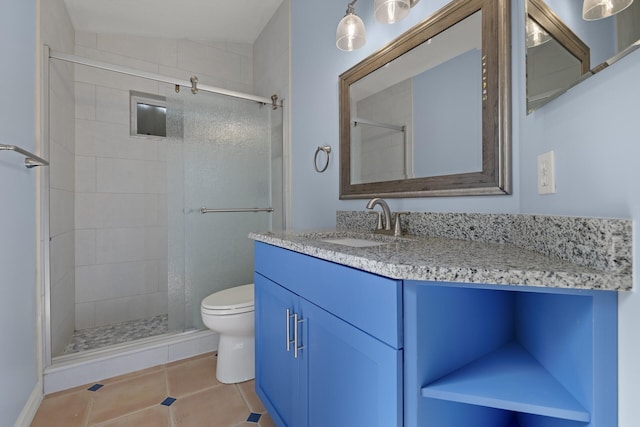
[386, 214]
[385, 219]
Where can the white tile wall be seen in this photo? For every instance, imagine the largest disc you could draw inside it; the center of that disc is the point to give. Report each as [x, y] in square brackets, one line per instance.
[62, 264]
[101, 282]
[85, 247]
[85, 315]
[104, 210]
[120, 176]
[61, 212]
[382, 156]
[115, 245]
[85, 101]
[62, 317]
[109, 104]
[131, 308]
[57, 32]
[61, 178]
[86, 39]
[271, 75]
[157, 51]
[85, 174]
[200, 56]
[271, 56]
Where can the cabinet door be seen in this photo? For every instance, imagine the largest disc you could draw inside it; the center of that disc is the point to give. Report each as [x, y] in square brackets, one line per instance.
[277, 371]
[353, 380]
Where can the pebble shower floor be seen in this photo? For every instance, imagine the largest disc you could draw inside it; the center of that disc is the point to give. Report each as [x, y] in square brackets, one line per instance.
[103, 336]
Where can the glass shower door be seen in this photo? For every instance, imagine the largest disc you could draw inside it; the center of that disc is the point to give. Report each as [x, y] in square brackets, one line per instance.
[219, 157]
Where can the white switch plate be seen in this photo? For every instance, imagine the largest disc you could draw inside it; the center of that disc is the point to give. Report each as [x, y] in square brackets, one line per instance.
[546, 173]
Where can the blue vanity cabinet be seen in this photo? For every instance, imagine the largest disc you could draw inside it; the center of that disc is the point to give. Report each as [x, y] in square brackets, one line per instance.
[277, 371]
[509, 356]
[347, 370]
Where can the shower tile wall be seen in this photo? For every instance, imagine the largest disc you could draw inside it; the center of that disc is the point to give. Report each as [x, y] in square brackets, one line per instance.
[383, 154]
[271, 75]
[120, 181]
[58, 33]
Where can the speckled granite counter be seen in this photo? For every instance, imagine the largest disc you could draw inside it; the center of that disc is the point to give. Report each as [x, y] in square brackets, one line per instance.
[519, 255]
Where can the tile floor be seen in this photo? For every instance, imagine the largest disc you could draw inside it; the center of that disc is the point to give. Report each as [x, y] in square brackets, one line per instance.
[179, 394]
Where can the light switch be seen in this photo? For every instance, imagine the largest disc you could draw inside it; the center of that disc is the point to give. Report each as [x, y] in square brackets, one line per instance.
[546, 173]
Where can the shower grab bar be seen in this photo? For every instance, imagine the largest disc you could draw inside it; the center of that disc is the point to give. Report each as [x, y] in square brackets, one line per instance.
[30, 159]
[207, 210]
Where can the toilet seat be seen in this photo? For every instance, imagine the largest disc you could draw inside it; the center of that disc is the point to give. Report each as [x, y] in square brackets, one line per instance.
[236, 300]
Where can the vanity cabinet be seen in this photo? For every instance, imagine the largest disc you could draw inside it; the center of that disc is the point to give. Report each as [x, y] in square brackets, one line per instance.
[328, 342]
[374, 351]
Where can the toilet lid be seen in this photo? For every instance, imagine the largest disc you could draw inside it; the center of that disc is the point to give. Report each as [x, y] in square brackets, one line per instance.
[232, 298]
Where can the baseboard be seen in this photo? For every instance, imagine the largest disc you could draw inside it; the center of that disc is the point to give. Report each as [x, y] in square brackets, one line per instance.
[31, 407]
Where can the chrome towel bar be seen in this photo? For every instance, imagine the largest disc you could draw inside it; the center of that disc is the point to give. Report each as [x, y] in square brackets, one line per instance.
[207, 210]
[30, 159]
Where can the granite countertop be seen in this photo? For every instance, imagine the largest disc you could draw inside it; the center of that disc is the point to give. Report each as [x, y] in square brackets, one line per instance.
[448, 260]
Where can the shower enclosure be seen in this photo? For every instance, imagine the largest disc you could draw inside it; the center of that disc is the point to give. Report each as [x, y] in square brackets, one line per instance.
[143, 227]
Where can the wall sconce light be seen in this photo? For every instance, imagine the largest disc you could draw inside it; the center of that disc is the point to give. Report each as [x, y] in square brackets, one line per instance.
[599, 9]
[350, 34]
[390, 11]
[536, 35]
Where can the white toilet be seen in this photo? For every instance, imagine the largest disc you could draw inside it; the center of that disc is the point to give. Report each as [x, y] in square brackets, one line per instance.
[231, 313]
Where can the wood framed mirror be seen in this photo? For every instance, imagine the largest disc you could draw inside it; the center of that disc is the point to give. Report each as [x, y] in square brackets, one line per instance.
[429, 114]
[564, 49]
[556, 57]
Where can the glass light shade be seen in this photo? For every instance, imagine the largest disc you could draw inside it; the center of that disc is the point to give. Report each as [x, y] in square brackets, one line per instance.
[391, 11]
[350, 34]
[599, 9]
[536, 35]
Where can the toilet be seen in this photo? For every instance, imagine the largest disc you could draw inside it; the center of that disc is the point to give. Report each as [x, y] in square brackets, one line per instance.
[231, 313]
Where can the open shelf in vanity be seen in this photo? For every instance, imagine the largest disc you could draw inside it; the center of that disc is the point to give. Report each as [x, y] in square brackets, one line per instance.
[493, 356]
[509, 378]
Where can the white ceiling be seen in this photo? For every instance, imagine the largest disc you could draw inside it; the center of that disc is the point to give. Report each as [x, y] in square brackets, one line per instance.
[217, 20]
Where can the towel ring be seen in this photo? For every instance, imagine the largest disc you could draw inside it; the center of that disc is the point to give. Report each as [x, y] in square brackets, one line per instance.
[326, 149]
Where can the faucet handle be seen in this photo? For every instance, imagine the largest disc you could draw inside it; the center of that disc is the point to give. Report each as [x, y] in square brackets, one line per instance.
[397, 228]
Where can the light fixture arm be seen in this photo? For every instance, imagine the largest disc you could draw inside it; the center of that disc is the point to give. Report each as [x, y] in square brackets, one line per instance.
[350, 8]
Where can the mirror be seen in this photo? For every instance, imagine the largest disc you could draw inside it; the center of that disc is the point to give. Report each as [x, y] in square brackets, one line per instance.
[429, 114]
[563, 49]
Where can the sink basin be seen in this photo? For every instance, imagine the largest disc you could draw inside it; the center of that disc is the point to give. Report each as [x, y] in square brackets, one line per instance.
[353, 242]
[354, 239]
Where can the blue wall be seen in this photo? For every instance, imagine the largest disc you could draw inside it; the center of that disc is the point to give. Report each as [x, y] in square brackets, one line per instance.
[316, 64]
[18, 317]
[593, 130]
[442, 95]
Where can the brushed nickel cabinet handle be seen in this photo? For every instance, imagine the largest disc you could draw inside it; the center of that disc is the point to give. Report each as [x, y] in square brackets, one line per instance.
[296, 348]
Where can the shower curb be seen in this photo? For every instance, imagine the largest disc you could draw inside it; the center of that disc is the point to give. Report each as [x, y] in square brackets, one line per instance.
[76, 370]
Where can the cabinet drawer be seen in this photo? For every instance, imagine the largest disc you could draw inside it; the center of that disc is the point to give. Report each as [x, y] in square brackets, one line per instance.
[370, 302]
